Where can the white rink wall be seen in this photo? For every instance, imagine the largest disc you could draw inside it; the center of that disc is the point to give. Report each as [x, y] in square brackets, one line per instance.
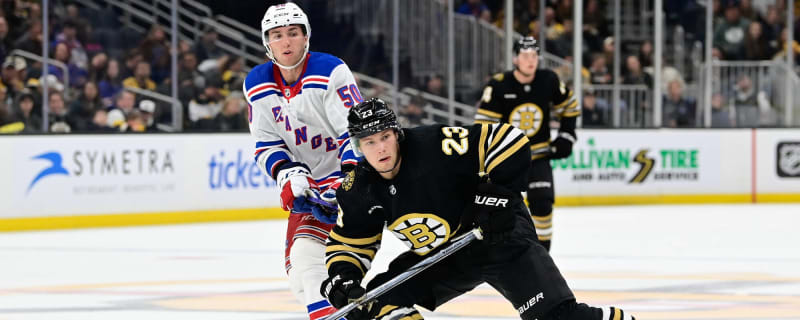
[167, 178]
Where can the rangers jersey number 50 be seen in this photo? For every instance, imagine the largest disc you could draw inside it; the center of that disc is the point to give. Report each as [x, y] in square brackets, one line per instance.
[305, 121]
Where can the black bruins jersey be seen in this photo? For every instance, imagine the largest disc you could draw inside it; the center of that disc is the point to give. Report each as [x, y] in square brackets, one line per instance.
[527, 106]
[425, 202]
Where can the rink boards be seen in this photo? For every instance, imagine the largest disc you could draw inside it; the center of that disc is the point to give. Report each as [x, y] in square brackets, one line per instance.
[61, 181]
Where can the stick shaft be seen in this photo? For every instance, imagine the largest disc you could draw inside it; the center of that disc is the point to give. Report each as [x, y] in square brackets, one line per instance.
[458, 243]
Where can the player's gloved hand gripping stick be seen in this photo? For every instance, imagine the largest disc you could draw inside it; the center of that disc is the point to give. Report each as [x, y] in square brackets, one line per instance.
[300, 193]
[457, 243]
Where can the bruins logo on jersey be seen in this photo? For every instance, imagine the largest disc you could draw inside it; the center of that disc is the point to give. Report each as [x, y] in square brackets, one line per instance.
[348, 180]
[421, 232]
[527, 117]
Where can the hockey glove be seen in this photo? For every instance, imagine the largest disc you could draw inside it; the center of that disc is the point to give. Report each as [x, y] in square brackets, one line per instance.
[494, 211]
[561, 147]
[295, 181]
[342, 289]
[325, 208]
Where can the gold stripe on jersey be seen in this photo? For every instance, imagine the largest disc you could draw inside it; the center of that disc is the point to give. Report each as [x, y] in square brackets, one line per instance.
[540, 145]
[538, 156]
[497, 136]
[543, 225]
[544, 237]
[398, 313]
[537, 150]
[340, 248]
[543, 219]
[563, 103]
[355, 241]
[616, 314]
[490, 114]
[507, 153]
[571, 111]
[345, 258]
[485, 121]
[386, 309]
[482, 148]
[359, 255]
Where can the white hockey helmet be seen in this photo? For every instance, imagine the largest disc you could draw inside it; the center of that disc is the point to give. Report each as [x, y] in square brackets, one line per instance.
[282, 15]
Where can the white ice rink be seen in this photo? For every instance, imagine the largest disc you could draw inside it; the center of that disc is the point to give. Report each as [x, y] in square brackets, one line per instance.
[657, 262]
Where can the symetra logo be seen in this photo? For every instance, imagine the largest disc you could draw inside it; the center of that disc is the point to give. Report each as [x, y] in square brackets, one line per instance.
[102, 171]
[235, 172]
[56, 167]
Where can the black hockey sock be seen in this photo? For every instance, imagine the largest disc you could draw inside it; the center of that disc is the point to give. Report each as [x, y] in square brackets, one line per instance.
[571, 310]
[545, 244]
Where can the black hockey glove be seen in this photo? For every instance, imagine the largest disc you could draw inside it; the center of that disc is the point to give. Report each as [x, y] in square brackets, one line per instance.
[561, 147]
[342, 289]
[494, 211]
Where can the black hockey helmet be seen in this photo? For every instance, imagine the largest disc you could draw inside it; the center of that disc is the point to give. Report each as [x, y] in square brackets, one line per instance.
[526, 43]
[370, 117]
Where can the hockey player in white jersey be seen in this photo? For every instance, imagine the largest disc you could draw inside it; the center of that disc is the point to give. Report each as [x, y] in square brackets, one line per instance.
[298, 105]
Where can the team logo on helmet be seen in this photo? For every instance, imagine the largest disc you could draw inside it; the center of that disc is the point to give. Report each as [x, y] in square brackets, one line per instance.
[370, 117]
[526, 44]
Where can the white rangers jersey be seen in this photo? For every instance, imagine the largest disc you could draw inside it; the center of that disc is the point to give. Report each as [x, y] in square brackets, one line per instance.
[303, 122]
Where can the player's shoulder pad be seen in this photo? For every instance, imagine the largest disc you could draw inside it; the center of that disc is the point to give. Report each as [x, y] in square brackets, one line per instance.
[498, 76]
[548, 73]
[422, 134]
[354, 179]
[322, 64]
[259, 81]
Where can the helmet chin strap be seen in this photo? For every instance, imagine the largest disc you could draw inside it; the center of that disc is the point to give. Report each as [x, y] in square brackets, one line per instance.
[302, 58]
[396, 163]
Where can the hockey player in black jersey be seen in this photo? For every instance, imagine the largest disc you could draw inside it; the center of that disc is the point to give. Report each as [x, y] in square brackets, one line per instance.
[525, 98]
[428, 185]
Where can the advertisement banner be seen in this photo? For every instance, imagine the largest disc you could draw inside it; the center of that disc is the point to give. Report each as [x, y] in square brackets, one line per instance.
[209, 177]
[84, 175]
[653, 162]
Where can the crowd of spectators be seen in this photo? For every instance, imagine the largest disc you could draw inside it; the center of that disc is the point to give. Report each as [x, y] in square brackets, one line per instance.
[99, 70]
[742, 30]
[100, 66]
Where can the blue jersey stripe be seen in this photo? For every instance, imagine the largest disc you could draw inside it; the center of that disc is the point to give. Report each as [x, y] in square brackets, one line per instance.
[318, 305]
[260, 144]
[273, 159]
[262, 95]
[316, 86]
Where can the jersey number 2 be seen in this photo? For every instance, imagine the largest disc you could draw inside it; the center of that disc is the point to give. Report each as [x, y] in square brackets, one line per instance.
[455, 139]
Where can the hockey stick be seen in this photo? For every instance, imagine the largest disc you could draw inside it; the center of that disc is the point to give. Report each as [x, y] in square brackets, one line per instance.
[458, 243]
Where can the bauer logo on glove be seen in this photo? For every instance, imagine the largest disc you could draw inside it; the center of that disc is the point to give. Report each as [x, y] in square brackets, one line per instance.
[491, 201]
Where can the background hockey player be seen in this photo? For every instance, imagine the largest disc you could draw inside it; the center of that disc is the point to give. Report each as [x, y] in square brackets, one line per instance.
[428, 185]
[525, 98]
[298, 116]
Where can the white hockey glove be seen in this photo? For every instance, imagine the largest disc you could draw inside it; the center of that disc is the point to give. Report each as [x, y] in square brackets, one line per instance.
[295, 181]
